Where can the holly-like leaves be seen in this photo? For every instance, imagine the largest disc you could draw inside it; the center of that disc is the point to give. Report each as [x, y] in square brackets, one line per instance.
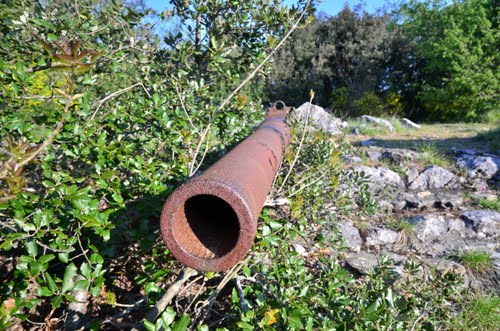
[68, 54]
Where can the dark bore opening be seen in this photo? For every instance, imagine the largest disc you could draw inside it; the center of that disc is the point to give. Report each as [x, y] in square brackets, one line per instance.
[280, 105]
[207, 227]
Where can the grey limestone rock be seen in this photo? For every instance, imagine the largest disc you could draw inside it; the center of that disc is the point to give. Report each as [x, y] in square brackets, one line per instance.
[379, 121]
[352, 158]
[449, 200]
[319, 118]
[420, 200]
[381, 237]
[440, 235]
[485, 223]
[362, 262]
[381, 176]
[429, 227]
[427, 200]
[409, 124]
[485, 167]
[299, 249]
[352, 238]
[411, 174]
[374, 154]
[433, 177]
[399, 155]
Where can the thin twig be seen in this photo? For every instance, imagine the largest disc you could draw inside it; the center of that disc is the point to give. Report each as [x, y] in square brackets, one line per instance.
[300, 145]
[201, 162]
[55, 250]
[83, 250]
[8, 226]
[208, 303]
[171, 292]
[115, 94]
[183, 106]
[195, 297]
[418, 318]
[190, 284]
[309, 184]
[322, 170]
[36, 323]
[136, 305]
[242, 84]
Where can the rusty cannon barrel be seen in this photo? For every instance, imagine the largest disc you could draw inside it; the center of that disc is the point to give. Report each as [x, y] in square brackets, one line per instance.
[210, 222]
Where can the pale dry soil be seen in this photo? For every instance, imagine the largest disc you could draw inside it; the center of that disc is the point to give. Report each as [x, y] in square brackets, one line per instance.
[444, 136]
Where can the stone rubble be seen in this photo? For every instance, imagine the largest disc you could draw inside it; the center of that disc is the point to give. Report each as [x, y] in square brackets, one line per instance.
[437, 204]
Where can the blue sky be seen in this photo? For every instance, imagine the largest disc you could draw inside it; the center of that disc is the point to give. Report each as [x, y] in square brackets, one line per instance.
[330, 7]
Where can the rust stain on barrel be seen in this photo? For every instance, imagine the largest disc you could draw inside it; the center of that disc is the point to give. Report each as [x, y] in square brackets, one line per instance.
[210, 222]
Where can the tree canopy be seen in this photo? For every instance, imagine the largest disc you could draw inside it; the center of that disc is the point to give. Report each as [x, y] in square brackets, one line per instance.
[433, 60]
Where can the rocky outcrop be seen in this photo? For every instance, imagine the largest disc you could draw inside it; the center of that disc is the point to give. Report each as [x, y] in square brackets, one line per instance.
[446, 223]
[380, 237]
[432, 235]
[411, 174]
[450, 200]
[363, 263]
[398, 156]
[319, 118]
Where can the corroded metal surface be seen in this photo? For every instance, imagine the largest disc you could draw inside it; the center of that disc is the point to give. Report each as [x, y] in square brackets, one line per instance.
[210, 222]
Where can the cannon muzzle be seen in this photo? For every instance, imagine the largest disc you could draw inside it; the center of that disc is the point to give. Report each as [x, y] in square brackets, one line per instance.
[210, 222]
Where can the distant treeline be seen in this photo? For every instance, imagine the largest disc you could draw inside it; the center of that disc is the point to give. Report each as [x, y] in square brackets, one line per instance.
[431, 60]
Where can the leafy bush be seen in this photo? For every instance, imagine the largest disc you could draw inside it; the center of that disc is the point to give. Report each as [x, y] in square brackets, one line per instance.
[98, 125]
